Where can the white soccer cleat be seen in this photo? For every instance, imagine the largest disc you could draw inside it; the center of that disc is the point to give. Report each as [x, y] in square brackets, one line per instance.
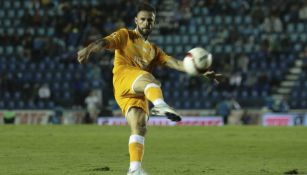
[165, 110]
[138, 171]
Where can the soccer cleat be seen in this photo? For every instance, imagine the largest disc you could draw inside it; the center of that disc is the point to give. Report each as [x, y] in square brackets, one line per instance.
[138, 171]
[165, 110]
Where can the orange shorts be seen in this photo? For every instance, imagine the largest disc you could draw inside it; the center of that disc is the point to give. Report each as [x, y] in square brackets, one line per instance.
[123, 81]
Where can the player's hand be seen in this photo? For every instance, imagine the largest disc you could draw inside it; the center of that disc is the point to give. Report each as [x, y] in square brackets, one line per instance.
[83, 54]
[216, 77]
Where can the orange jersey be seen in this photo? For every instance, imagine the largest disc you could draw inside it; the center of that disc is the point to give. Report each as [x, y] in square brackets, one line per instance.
[134, 57]
[132, 50]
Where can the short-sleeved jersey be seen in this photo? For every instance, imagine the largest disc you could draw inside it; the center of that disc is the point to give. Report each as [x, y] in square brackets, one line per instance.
[131, 49]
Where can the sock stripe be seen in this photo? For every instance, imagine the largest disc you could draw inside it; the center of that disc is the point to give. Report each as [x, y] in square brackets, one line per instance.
[137, 139]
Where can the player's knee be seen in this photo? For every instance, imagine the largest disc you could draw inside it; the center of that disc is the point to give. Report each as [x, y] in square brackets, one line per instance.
[143, 81]
[152, 79]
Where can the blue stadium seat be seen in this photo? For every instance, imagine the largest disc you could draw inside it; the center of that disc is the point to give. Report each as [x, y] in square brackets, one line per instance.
[9, 50]
[50, 31]
[11, 105]
[31, 105]
[11, 13]
[204, 39]
[196, 11]
[192, 29]
[185, 39]
[50, 105]
[2, 13]
[185, 94]
[20, 105]
[41, 31]
[177, 104]
[198, 21]
[41, 67]
[2, 105]
[73, 39]
[208, 20]
[176, 39]
[206, 104]
[254, 94]
[247, 19]
[215, 94]
[17, 96]
[7, 23]
[17, 5]
[41, 105]
[7, 4]
[179, 49]
[187, 104]
[194, 40]
[298, 47]
[176, 94]
[217, 49]
[228, 49]
[168, 39]
[20, 13]
[228, 20]
[202, 30]
[217, 20]
[169, 49]
[294, 37]
[182, 29]
[300, 28]
[166, 94]
[39, 77]
[303, 104]
[204, 11]
[1, 50]
[238, 50]
[303, 37]
[238, 20]
[290, 28]
[94, 2]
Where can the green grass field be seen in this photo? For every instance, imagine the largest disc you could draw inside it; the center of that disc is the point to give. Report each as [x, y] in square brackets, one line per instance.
[74, 150]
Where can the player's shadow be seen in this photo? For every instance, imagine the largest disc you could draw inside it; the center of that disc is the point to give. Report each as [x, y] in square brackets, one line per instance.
[106, 168]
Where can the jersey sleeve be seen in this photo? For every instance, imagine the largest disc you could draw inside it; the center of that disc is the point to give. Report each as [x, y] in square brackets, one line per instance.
[117, 39]
[161, 56]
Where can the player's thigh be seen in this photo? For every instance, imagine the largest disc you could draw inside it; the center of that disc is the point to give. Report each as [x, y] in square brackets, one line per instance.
[126, 102]
[125, 80]
[140, 83]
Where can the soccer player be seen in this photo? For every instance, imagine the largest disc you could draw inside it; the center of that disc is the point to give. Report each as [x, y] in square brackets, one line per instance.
[133, 83]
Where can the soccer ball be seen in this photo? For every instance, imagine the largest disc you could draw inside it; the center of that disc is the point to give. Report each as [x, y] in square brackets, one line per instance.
[197, 61]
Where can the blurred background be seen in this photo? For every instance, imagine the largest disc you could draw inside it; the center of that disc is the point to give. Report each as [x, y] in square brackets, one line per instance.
[259, 45]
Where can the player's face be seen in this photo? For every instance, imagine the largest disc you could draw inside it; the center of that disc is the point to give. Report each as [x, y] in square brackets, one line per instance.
[145, 21]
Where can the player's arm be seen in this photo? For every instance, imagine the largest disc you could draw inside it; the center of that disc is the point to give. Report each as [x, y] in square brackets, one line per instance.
[95, 46]
[116, 40]
[178, 65]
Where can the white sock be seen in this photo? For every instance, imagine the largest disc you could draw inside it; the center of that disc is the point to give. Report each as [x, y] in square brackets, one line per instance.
[159, 101]
[134, 166]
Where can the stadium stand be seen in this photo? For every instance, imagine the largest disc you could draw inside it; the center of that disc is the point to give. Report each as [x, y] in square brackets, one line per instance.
[255, 43]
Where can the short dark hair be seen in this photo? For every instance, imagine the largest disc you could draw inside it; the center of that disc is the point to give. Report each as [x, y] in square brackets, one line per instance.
[146, 7]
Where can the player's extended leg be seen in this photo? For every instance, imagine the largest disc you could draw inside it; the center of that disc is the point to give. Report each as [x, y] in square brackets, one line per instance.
[136, 118]
[148, 85]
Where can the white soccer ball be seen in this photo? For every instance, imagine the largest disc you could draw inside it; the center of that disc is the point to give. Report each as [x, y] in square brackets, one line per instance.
[197, 61]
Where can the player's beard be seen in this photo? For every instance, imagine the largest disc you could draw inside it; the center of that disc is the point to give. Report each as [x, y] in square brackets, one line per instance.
[145, 32]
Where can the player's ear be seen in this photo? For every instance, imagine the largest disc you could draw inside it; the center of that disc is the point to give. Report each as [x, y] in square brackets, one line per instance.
[136, 20]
